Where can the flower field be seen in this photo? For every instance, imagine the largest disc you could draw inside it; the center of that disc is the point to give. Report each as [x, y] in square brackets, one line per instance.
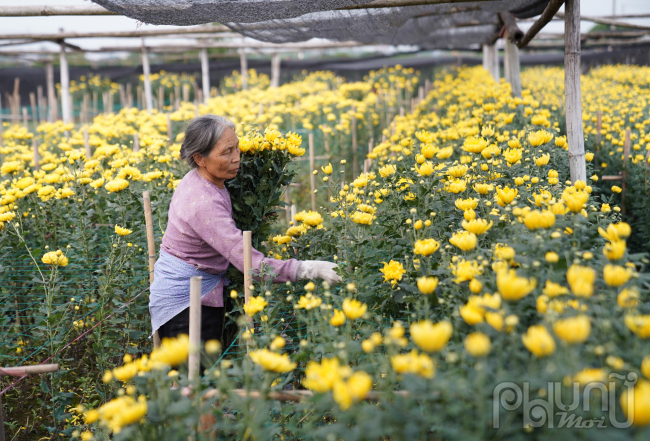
[474, 272]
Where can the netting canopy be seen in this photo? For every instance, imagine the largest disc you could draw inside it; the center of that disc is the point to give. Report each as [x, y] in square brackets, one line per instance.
[453, 25]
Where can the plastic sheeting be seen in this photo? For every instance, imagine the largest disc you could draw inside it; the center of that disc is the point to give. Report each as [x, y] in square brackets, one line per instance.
[440, 26]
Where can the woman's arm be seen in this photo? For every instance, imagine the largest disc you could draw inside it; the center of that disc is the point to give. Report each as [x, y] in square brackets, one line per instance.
[211, 221]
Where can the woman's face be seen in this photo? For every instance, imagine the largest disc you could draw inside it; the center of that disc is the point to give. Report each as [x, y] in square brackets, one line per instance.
[222, 162]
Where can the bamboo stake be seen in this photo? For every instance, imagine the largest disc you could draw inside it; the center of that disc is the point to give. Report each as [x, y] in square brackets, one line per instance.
[244, 69]
[599, 127]
[513, 68]
[161, 98]
[355, 153]
[39, 103]
[205, 74]
[136, 142]
[194, 360]
[275, 70]
[147, 82]
[248, 266]
[66, 105]
[626, 156]
[89, 153]
[32, 102]
[294, 210]
[25, 118]
[37, 156]
[19, 371]
[573, 104]
[312, 177]
[151, 247]
[51, 96]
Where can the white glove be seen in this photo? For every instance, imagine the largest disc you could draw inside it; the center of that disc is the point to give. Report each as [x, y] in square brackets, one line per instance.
[318, 269]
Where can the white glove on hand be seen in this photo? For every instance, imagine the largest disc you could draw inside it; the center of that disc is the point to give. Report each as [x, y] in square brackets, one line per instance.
[318, 269]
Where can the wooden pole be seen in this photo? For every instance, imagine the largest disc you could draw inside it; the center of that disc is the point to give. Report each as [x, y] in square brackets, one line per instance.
[626, 156]
[40, 104]
[136, 142]
[244, 69]
[16, 100]
[599, 127]
[161, 98]
[19, 371]
[205, 75]
[312, 167]
[513, 75]
[275, 70]
[248, 265]
[573, 104]
[25, 118]
[294, 210]
[151, 247]
[37, 156]
[89, 153]
[66, 105]
[147, 82]
[194, 360]
[32, 102]
[355, 153]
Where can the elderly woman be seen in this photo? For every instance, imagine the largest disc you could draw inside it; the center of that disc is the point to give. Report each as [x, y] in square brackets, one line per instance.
[201, 237]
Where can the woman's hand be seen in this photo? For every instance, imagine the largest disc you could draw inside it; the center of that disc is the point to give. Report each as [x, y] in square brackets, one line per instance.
[318, 269]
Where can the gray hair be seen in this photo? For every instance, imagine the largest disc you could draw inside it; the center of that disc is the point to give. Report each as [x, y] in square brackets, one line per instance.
[202, 134]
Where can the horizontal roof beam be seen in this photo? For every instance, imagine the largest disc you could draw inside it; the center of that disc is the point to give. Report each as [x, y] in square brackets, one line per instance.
[47, 10]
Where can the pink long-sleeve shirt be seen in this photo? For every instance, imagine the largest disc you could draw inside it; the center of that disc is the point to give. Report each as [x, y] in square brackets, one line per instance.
[201, 231]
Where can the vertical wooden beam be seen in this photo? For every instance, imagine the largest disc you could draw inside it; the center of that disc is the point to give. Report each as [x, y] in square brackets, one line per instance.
[32, 102]
[37, 155]
[513, 74]
[248, 264]
[312, 177]
[205, 75]
[136, 142]
[151, 247]
[275, 70]
[573, 103]
[194, 359]
[66, 105]
[243, 68]
[147, 83]
[355, 153]
[626, 160]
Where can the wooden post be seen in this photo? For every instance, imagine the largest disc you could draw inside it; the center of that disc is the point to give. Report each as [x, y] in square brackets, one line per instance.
[626, 157]
[573, 103]
[37, 156]
[66, 105]
[32, 102]
[248, 265]
[326, 141]
[136, 142]
[16, 100]
[205, 75]
[161, 98]
[25, 118]
[355, 153]
[599, 127]
[186, 93]
[294, 210]
[89, 153]
[512, 67]
[275, 70]
[244, 69]
[194, 360]
[151, 247]
[51, 95]
[122, 95]
[366, 166]
[312, 177]
[169, 130]
[147, 83]
[40, 103]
